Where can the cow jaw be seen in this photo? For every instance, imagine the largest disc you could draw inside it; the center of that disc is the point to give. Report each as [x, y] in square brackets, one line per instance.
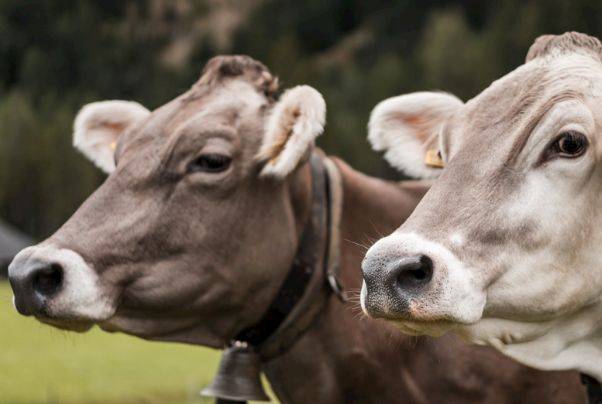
[570, 342]
[190, 330]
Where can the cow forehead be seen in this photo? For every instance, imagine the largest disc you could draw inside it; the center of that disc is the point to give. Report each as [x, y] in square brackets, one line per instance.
[235, 104]
[479, 177]
[522, 93]
[512, 105]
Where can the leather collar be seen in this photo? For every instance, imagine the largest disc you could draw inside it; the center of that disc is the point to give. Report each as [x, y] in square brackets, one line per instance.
[594, 389]
[311, 277]
[299, 300]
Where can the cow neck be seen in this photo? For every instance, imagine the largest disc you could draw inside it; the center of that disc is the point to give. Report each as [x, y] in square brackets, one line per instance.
[304, 292]
[304, 289]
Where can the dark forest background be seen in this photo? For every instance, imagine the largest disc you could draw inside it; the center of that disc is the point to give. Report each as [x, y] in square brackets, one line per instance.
[57, 55]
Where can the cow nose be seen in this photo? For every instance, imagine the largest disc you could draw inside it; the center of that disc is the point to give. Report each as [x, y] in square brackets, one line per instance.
[408, 272]
[35, 283]
[47, 280]
[411, 272]
[389, 283]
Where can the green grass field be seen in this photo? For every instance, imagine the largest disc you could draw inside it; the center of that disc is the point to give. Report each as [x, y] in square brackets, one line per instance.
[39, 364]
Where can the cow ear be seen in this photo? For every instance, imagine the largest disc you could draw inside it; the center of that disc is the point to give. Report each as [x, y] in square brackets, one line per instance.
[293, 125]
[407, 129]
[97, 128]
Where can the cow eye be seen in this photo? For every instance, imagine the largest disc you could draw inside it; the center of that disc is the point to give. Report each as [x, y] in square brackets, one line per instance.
[210, 163]
[570, 144]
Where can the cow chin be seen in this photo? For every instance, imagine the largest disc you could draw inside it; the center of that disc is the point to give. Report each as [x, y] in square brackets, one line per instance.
[435, 321]
[432, 329]
[67, 325]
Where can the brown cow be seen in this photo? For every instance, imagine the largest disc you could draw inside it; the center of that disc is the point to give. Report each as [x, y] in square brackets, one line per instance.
[196, 227]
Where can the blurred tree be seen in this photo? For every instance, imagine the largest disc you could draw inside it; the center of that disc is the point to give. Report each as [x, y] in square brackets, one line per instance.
[58, 55]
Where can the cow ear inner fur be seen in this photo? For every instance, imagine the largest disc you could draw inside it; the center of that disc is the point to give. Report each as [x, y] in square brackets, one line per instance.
[406, 128]
[292, 127]
[97, 128]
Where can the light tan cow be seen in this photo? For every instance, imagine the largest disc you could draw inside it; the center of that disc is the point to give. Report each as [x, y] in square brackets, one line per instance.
[505, 249]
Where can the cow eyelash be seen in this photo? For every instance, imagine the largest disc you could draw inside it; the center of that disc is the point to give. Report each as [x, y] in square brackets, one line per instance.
[569, 144]
[210, 163]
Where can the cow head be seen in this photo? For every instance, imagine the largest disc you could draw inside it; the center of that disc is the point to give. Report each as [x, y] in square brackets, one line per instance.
[505, 247]
[196, 226]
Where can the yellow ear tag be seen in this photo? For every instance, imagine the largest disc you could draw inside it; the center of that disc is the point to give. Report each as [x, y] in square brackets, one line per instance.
[113, 145]
[432, 158]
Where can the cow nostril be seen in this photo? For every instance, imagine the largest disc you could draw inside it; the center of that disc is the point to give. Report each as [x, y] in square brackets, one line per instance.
[47, 280]
[414, 271]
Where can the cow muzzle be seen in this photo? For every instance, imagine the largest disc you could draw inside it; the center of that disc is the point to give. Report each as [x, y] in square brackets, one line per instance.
[411, 280]
[58, 287]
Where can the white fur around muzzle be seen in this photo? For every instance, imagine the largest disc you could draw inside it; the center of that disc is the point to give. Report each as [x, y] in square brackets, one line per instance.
[81, 296]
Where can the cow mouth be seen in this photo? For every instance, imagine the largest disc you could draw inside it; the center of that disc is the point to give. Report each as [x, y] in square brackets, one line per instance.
[419, 320]
[434, 328]
[79, 326]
